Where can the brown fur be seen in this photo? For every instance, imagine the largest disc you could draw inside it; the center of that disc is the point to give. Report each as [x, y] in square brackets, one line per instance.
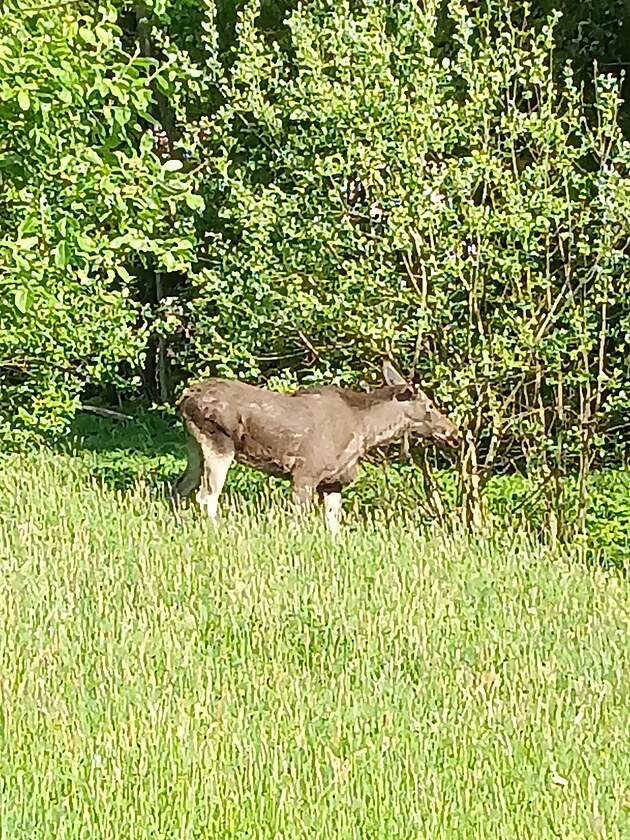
[316, 437]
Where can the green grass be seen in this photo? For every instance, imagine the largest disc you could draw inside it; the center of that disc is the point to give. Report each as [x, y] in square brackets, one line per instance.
[160, 678]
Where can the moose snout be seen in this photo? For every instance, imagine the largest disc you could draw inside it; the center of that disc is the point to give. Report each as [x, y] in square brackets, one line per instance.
[452, 439]
[449, 437]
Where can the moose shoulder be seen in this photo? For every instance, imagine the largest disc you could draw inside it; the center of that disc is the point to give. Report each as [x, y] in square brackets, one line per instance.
[315, 437]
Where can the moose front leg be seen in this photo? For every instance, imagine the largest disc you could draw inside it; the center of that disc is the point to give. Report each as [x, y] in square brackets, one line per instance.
[302, 493]
[330, 495]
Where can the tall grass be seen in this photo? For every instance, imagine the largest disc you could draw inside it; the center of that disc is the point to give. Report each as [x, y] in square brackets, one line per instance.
[161, 678]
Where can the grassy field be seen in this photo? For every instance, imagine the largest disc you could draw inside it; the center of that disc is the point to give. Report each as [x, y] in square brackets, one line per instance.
[163, 679]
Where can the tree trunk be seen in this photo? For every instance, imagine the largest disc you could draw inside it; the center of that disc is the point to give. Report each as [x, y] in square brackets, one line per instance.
[157, 372]
[162, 366]
[470, 485]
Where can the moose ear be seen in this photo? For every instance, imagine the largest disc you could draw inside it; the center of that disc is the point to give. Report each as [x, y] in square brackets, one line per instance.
[406, 394]
[391, 375]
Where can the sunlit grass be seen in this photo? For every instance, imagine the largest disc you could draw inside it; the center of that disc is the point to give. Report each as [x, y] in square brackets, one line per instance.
[160, 678]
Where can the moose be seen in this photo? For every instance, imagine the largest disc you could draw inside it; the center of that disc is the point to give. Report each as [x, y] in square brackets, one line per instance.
[315, 436]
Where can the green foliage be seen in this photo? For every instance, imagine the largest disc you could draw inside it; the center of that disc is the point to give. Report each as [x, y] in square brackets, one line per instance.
[288, 192]
[83, 199]
[608, 523]
[490, 243]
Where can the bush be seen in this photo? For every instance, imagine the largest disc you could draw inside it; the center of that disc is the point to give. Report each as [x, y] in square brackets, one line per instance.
[448, 199]
[295, 193]
[83, 200]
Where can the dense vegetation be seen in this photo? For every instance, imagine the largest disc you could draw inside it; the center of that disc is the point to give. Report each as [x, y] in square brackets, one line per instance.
[289, 191]
[259, 681]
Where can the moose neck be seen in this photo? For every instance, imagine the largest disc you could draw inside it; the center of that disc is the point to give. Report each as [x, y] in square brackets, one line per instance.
[383, 423]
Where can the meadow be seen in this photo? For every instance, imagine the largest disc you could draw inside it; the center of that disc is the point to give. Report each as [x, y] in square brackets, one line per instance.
[161, 678]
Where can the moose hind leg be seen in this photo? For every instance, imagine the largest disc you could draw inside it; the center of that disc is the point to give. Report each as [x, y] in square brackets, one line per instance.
[218, 454]
[191, 478]
[301, 494]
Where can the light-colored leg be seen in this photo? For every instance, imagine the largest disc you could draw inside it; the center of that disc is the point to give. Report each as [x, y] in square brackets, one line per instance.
[332, 511]
[191, 478]
[218, 454]
[302, 494]
[301, 501]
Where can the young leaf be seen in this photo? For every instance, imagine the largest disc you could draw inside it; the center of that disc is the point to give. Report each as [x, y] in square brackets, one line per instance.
[194, 201]
[23, 100]
[23, 299]
[60, 253]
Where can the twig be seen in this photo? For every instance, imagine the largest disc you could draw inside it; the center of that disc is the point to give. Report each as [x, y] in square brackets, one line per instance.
[105, 412]
[305, 341]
